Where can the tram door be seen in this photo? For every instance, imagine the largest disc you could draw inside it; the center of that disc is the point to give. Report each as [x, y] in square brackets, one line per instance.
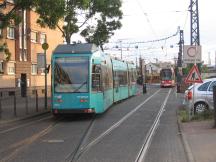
[96, 78]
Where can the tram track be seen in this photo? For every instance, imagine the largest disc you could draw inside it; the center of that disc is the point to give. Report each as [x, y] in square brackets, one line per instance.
[17, 147]
[82, 146]
[146, 144]
[81, 149]
[35, 121]
[72, 157]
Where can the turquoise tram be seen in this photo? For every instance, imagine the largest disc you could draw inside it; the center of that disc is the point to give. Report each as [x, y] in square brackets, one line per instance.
[85, 80]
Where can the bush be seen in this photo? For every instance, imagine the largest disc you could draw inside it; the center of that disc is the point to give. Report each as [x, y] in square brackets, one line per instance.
[206, 115]
[183, 115]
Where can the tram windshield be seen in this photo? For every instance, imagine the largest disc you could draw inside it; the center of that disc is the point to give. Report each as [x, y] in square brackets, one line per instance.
[71, 74]
[166, 74]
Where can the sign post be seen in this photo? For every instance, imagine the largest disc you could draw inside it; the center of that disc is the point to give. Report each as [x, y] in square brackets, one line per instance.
[45, 46]
[192, 54]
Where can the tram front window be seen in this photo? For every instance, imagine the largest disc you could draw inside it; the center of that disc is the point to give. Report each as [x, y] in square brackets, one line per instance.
[166, 74]
[71, 74]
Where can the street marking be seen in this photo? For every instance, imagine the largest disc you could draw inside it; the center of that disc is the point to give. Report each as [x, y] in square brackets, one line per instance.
[96, 140]
[19, 146]
[145, 146]
[21, 126]
[53, 141]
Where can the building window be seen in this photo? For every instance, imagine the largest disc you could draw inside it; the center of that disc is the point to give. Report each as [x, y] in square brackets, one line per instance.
[23, 39]
[23, 55]
[11, 70]
[1, 68]
[1, 34]
[42, 71]
[10, 32]
[34, 37]
[34, 69]
[42, 38]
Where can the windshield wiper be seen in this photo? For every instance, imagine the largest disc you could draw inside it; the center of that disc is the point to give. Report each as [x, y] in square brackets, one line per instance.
[80, 86]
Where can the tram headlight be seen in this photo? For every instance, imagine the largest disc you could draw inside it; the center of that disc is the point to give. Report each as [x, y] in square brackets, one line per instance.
[83, 100]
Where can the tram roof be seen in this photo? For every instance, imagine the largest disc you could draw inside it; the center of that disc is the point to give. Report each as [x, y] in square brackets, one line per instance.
[80, 48]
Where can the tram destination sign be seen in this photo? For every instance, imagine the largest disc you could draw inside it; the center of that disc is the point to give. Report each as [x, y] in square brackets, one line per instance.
[192, 54]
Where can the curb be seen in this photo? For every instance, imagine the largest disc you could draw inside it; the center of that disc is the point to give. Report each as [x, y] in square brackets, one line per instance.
[190, 157]
[25, 117]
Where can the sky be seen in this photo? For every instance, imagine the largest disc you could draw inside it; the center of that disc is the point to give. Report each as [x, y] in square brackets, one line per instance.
[150, 20]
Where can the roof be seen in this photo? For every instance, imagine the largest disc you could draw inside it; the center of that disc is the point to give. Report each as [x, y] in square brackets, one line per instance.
[80, 48]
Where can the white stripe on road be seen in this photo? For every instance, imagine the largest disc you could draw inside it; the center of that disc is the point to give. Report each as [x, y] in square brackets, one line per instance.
[96, 140]
[143, 150]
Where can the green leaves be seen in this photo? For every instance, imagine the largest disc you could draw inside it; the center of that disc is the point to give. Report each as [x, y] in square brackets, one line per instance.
[108, 21]
[50, 12]
[105, 13]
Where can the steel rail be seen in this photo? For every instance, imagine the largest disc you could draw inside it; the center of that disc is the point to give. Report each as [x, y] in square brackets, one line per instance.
[142, 153]
[17, 147]
[82, 150]
[72, 157]
[24, 125]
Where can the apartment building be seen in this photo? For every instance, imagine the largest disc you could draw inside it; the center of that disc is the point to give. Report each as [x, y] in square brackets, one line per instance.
[25, 45]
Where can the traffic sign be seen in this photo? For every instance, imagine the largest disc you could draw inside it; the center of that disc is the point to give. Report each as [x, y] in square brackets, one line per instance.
[193, 76]
[45, 46]
[192, 54]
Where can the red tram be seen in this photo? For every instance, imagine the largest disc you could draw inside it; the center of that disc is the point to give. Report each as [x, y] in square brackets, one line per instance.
[167, 77]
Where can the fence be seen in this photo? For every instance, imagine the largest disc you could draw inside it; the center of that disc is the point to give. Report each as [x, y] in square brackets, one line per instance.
[13, 105]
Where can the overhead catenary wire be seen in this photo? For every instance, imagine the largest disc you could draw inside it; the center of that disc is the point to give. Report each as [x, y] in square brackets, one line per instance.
[150, 41]
[147, 18]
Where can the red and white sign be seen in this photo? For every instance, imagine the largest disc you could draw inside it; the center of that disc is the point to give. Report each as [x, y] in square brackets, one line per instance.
[194, 76]
[192, 54]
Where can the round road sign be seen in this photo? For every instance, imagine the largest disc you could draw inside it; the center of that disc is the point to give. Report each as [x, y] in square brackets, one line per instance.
[45, 46]
[191, 51]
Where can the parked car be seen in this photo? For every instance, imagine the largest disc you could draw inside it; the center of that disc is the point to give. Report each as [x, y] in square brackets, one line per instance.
[199, 97]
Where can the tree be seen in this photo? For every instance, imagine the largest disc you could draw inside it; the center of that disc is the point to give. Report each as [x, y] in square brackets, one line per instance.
[106, 12]
[50, 12]
[108, 21]
[12, 17]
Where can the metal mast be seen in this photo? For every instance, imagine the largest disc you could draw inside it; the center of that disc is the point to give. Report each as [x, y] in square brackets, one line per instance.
[181, 44]
[179, 62]
[195, 34]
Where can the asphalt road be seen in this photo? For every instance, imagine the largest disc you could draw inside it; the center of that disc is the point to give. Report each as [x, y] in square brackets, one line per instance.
[118, 135]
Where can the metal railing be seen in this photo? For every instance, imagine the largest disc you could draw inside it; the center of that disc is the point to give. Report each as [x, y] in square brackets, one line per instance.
[12, 104]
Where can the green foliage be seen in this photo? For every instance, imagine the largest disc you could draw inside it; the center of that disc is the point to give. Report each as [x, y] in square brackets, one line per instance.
[107, 22]
[204, 69]
[50, 12]
[106, 14]
[206, 115]
[183, 115]
[4, 48]
[13, 17]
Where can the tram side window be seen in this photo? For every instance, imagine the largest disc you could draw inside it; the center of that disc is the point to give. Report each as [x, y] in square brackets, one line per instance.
[116, 79]
[96, 78]
[122, 75]
[134, 75]
[106, 79]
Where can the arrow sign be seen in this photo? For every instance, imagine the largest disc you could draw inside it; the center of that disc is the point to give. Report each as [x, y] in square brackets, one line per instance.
[193, 76]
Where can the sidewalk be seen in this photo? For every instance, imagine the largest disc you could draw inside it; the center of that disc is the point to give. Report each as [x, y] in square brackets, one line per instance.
[201, 139]
[10, 111]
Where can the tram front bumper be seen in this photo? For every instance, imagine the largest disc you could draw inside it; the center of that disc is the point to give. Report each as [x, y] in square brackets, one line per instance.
[72, 111]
